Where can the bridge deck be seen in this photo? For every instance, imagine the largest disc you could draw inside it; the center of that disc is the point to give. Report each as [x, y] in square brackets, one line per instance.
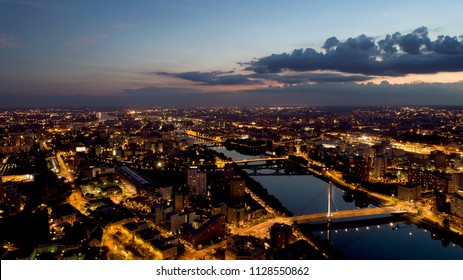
[348, 214]
[258, 159]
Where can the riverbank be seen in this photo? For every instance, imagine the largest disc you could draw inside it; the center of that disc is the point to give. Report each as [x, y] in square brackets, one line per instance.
[259, 193]
[256, 189]
[440, 232]
[377, 199]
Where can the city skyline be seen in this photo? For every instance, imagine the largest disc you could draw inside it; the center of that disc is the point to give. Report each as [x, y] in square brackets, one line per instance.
[191, 53]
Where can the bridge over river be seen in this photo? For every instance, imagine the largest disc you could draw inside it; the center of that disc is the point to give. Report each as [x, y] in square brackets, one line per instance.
[262, 229]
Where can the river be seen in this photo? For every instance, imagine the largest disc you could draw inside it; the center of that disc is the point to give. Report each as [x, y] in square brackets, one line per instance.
[304, 194]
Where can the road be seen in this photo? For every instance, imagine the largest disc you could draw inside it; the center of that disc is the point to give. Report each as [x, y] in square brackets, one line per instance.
[64, 169]
[76, 200]
[258, 159]
[203, 254]
[267, 207]
[350, 213]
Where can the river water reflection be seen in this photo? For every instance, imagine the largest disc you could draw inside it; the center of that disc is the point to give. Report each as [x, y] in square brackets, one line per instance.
[305, 194]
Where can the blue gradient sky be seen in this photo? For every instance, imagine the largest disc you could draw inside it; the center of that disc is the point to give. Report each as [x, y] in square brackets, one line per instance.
[137, 52]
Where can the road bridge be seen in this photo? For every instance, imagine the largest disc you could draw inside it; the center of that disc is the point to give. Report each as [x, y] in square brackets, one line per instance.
[245, 161]
[362, 212]
[261, 230]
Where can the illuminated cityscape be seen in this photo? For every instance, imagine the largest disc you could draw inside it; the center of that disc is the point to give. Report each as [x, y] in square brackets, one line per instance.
[231, 130]
[156, 183]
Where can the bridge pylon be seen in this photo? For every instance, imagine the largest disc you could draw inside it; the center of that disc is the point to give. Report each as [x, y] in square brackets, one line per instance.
[330, 189]
[329, 215]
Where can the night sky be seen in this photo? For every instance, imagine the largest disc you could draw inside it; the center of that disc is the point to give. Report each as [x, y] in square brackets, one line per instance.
[206, 52]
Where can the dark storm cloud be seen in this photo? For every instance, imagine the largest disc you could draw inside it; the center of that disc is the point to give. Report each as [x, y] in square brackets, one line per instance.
[311, 77]
[395, 55]
[447, 45]
[330, 43]
[228, 78]
[214, 78]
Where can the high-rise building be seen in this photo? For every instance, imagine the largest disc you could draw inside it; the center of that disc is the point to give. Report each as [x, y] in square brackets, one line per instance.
[236, 214]
[456, 205]
[457, 179]
[201, 188]
[173, 221]
[409, 192]
[379, 166]
[431, 180]
[197, 181]
[360, 169]
[279, 235]
[166, 192]
[439, 160]
[158, 216]
[307, 116]
[228, 172]
[237, 190]
[182, 201]
[191, 177]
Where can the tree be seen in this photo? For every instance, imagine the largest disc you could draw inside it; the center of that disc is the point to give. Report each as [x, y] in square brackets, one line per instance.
[420, 211]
